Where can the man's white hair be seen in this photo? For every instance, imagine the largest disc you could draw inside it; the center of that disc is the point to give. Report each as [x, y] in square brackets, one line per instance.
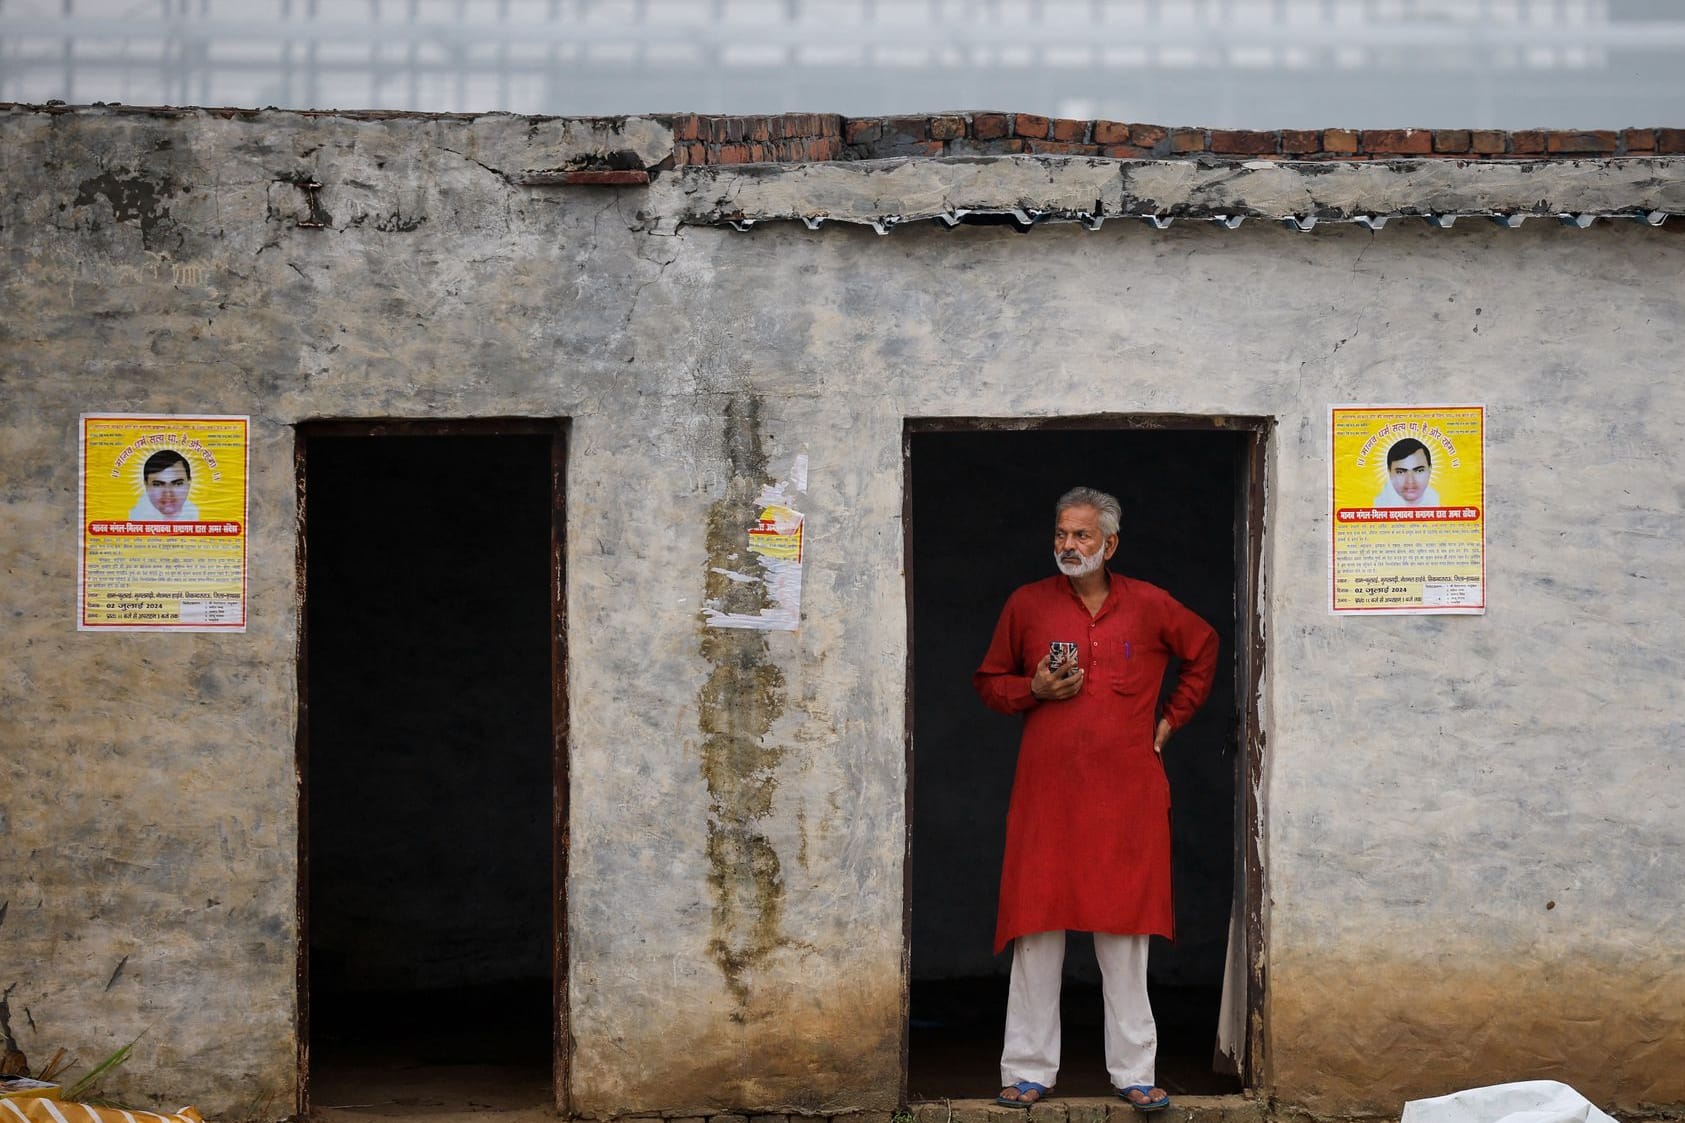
[1111, 511]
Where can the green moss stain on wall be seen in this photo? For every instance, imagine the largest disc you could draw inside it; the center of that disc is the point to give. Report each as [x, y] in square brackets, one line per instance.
[742, 697]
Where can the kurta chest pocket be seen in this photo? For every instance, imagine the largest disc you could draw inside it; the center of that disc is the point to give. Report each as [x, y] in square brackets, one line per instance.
[1136, 667]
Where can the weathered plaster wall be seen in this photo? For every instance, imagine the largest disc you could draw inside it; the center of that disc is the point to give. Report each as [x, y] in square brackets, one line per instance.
[737, 835]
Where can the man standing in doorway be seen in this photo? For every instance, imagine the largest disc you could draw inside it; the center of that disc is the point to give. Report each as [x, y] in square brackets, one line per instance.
[1082, 657]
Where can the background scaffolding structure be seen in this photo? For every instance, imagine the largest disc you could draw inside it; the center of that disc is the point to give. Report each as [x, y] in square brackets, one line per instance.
[1224, 63]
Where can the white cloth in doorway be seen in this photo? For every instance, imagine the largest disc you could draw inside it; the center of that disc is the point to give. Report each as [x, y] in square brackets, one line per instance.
[1231, 1014]
[1526, 1101]
[1032, 1009]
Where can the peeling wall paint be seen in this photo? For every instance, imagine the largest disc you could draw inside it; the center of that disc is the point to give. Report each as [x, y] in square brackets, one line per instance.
[737, 807]
[131, 198]
[761, 563]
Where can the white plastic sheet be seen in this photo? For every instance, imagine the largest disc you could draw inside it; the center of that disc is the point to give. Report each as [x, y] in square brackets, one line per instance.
[1527, 1101]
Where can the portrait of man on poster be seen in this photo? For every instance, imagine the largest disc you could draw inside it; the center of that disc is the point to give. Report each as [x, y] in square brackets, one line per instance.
[166, 479]
[1409, 470]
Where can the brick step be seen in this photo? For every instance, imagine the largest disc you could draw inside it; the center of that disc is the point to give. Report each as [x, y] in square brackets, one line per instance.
[1094, 1109]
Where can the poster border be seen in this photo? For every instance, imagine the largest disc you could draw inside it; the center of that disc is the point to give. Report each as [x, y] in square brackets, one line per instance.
[82, 624]
[1328, 511]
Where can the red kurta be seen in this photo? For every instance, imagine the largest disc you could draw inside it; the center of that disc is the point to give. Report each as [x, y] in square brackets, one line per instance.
[1088, 831]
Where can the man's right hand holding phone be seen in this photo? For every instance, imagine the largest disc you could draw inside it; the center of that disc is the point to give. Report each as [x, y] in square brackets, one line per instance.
[1049, 685]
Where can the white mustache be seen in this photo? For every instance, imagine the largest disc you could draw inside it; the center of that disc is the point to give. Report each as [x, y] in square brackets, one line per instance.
[1075, 563]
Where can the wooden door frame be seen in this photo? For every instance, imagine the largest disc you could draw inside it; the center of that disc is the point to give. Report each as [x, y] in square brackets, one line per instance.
[1251, 496]
[556, 429]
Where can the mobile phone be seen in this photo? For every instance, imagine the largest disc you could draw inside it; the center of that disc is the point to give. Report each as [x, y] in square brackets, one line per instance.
[1060, 652]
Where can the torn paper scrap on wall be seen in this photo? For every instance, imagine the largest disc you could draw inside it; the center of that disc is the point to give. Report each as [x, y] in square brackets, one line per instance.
[774, 543]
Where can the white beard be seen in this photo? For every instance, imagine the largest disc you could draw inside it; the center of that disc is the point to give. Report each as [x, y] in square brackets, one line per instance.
[1083, 566]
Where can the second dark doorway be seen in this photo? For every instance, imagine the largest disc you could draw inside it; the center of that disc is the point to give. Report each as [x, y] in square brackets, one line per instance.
[981, 524]
[432, 755]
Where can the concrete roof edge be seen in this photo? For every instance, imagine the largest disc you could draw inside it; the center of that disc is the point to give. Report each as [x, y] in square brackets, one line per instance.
[1033, 188]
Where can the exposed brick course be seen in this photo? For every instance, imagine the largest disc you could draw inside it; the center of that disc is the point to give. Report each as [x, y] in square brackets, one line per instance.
[1396, 142]
[1595, 143]
[1339, 141]
[900, 136]
[1243, 143]
[863, 130]
[1187, 140]
[606, 177]
[1147, 135]
[1300, 142]
[1069, 130]
[1028, 125]
[1488, 142]
[1638, 140]
[818, 137]
[947, 128]
[915, 127]
[1111, 132]
[824, 148]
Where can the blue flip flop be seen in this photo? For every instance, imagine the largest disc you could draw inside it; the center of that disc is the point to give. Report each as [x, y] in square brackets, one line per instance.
[1022, 1087]
[1146, 1090]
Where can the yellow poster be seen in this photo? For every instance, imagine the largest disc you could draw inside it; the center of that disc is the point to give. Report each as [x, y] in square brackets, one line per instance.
[163, 523]
[1408, 519]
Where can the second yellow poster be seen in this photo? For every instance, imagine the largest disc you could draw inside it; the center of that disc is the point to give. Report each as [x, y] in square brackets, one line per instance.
[1407, 509]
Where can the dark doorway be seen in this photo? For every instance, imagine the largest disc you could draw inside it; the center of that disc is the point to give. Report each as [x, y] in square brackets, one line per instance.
[980, 516]
[431, 763]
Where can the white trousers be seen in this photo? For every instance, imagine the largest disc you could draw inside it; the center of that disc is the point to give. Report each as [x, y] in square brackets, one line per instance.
[1032, 1009]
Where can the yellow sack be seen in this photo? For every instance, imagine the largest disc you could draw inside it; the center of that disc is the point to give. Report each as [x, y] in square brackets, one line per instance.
[22, 1087]
[37, 1109]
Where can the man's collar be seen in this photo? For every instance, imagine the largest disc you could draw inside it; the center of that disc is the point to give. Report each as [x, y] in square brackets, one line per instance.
[1114, 584]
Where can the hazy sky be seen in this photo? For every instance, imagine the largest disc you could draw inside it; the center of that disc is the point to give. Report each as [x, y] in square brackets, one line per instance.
[1227, 63]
